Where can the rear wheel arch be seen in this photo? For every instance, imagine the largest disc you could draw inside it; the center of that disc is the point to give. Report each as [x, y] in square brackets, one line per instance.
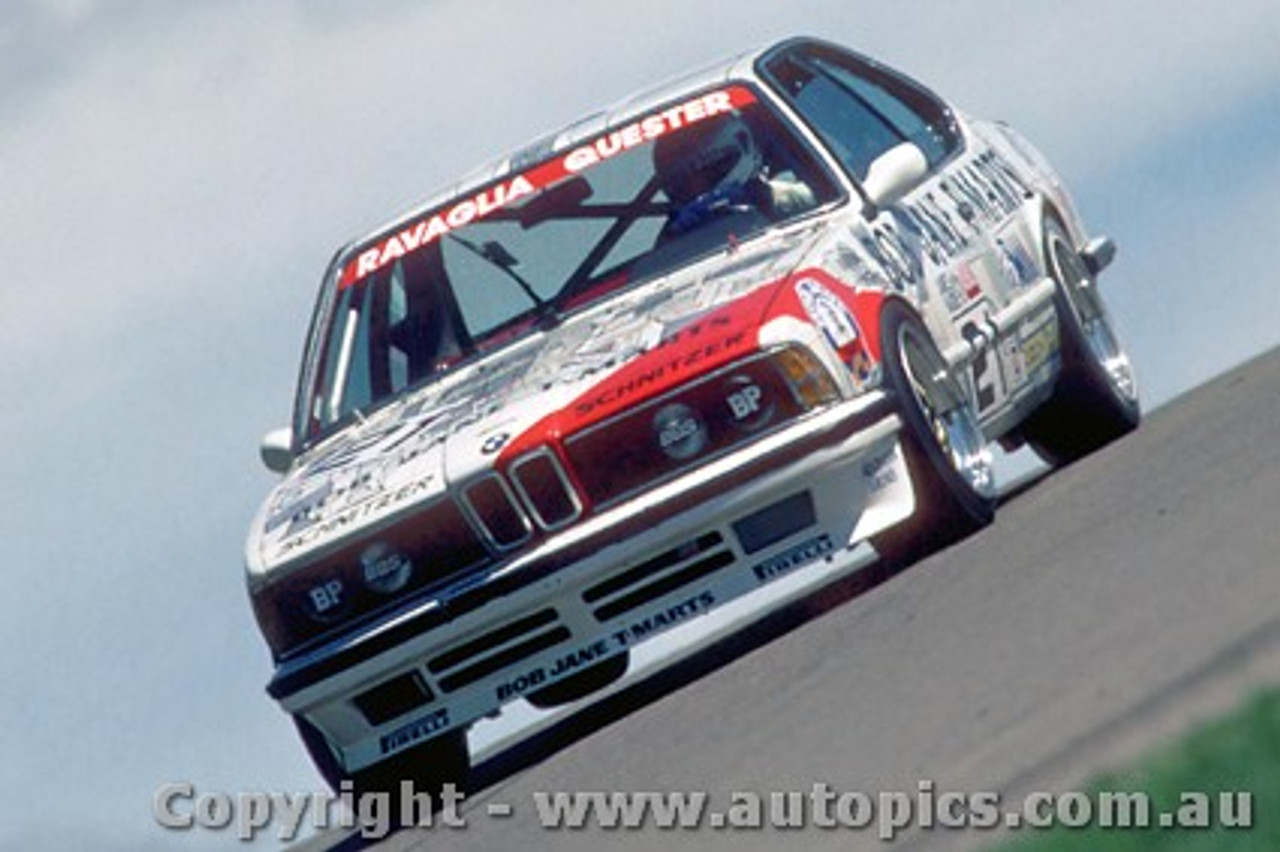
[1095, 397]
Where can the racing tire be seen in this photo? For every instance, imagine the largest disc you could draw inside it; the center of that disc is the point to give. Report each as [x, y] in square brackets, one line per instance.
[946, 453]
[1095, 398]
[591, 679]
[429, 766]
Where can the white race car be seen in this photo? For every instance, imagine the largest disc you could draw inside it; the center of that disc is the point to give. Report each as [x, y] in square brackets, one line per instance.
[723, 332]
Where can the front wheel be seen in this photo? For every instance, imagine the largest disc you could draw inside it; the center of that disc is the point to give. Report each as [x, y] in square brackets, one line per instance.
[1095, 400]
[946, 453]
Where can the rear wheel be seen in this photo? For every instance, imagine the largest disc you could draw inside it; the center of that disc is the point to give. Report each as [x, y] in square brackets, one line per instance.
[1095, 400]
[946, 453]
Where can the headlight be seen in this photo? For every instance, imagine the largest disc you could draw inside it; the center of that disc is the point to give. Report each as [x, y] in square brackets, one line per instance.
[384, 569]
[809, 379]
[679, 431]
[708, 416]
[327, 601]
[749, 405]
[433, 546]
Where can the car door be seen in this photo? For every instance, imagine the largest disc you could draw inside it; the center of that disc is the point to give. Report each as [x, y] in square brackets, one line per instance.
[957, 244]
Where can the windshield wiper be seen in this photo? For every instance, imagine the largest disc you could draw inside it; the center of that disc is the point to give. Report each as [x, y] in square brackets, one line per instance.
[496, 255]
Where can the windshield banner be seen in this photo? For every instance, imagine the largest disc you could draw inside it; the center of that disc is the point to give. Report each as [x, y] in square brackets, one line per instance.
[432, 226]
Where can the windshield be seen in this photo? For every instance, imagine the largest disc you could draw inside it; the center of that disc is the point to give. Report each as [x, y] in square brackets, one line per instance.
[513, 257]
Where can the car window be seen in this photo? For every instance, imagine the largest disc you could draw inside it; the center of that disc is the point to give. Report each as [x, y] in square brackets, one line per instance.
[497, 262]
[860, 110]
[368, 357]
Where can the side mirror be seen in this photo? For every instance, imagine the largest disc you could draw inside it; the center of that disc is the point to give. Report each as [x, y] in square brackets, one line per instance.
[277, 450]
[892, 175]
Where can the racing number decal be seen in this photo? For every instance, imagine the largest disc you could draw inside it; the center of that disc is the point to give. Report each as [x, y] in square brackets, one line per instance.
[1002, 367]
[986, 377]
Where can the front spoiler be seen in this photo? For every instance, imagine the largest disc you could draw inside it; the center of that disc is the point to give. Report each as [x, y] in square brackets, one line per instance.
[844, 459]
[840, 423]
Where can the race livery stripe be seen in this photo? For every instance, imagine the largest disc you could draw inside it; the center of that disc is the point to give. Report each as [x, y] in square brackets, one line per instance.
[700, 345]
[710, 341]
[428, 228]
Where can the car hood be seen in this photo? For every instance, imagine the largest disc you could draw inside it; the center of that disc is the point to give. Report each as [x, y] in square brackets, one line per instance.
[417, 449]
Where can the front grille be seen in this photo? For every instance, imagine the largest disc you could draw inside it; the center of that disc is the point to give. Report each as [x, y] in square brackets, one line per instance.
[494, 508]
[658, 576]
[546, 489]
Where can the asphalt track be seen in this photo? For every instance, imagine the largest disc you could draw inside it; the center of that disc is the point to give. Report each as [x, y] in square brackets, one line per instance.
[1107, 597]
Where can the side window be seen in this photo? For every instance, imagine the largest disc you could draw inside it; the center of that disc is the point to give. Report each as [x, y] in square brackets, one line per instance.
[364, 360]
[859, 110]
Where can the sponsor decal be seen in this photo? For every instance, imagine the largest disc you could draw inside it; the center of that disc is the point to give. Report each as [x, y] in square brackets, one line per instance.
[659, 621]
[749, 407]
[651, 127]
[1015, 261]
[959, 286]
[563, 665]
[597, 650]
[426, 231]
[943, 234]
[985, 187]
[521, 684]
[658, 341]
[941, 223]
[431, 227]
[593, 653]
[789, 560]
[358, 513]
[968, 281]
[829, 313]
[952, 294]
[880, 473]
[300, 511]
[415, 731]
[383, 569]
[658, 374]
[1040, 346]
[679, 431]
[363, 472]
[327, 600]
[890, 251]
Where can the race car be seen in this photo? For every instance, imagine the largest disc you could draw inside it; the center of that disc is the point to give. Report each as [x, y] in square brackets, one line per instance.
[721, 333]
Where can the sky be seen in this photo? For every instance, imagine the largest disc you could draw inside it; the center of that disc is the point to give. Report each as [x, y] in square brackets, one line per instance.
[175, 176]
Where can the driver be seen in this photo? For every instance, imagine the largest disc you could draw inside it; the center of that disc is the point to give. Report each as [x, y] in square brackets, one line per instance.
[717, 167]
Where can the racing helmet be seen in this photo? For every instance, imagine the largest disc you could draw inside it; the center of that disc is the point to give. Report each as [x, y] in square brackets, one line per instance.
[717, 155]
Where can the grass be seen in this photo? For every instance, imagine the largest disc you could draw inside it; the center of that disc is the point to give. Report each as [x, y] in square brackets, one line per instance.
[1238, 753]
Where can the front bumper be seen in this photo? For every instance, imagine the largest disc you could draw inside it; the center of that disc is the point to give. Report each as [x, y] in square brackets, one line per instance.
[803, 495]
